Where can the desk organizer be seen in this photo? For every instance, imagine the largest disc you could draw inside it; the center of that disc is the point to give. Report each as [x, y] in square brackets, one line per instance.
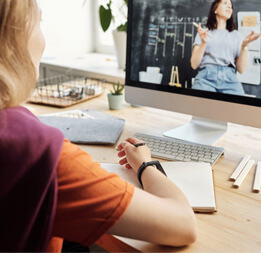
[64, 91]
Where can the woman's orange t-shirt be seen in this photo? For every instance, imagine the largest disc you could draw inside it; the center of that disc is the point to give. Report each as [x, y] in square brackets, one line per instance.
[90, 199]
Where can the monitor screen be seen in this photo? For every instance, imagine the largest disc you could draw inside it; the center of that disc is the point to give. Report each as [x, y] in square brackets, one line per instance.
[215, 75]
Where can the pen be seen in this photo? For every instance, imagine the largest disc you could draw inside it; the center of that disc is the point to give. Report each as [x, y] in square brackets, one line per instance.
[136, 145]
[195, 24]
[139, 144]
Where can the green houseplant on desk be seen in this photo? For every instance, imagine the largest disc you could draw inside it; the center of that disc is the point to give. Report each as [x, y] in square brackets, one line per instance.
[115, 97]
[117, 15]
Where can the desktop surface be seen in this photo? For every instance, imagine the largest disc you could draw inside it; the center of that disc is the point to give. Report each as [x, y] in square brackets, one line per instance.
[235, 227]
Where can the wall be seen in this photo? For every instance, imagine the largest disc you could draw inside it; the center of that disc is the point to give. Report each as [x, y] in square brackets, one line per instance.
[67, 26]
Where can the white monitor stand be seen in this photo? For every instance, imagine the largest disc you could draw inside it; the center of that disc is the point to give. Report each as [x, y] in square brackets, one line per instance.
[199, 130]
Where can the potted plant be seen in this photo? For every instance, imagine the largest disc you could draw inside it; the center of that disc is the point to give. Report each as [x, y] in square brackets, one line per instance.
[120, 33]
[115, 97]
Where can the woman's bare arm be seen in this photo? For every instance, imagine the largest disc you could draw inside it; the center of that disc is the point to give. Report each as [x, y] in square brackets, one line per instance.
[242, 60]
[161, 213]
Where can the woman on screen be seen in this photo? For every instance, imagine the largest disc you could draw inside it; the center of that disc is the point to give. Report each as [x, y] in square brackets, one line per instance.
[50, 187]
[220, 51]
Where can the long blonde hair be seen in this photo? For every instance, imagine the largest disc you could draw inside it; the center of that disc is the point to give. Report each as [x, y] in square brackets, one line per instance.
[17, 72]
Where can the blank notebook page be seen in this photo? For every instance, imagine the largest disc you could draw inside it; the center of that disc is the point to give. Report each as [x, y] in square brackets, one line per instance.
[193, 178]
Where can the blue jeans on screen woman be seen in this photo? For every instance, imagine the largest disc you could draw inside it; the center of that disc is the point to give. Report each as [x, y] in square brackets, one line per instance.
[218, 79]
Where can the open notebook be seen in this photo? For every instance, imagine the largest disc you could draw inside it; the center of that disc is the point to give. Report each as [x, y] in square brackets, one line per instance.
[194, 179]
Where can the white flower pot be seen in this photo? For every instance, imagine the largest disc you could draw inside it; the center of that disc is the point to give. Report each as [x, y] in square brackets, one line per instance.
[115, 101]
[120, 42]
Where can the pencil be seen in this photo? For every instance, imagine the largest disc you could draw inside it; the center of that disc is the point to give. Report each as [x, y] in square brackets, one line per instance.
[257, 180]
[243, 174]
[239, 168]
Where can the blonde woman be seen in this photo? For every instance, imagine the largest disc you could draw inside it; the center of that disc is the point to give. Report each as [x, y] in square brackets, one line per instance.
[50, 187]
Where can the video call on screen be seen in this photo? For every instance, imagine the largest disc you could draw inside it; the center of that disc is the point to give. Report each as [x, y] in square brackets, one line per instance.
[163, 35]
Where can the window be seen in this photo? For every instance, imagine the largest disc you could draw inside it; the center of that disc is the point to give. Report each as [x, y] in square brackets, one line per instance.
[67, 26]
[73, 27]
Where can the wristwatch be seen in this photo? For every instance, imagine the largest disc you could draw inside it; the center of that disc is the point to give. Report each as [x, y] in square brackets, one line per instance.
[145, 165]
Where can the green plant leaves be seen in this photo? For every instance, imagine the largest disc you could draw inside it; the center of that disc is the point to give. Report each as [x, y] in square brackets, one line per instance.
[117, 88]
[105, 17]
[122, 27]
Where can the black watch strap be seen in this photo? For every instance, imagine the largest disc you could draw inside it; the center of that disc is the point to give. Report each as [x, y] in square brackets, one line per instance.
[145, 165]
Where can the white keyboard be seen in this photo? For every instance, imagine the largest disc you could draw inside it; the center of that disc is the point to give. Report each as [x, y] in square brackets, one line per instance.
[179, 150]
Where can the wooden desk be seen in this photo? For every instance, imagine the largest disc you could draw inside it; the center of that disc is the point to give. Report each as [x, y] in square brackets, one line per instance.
[236, 226]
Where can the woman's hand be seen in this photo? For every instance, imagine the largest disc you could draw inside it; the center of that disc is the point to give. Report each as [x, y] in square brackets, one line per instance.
[132, 157]
[250, 38]
[199, 50]
[203, 34]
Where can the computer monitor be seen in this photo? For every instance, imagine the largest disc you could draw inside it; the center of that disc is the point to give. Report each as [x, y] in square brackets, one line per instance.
[160, 41]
